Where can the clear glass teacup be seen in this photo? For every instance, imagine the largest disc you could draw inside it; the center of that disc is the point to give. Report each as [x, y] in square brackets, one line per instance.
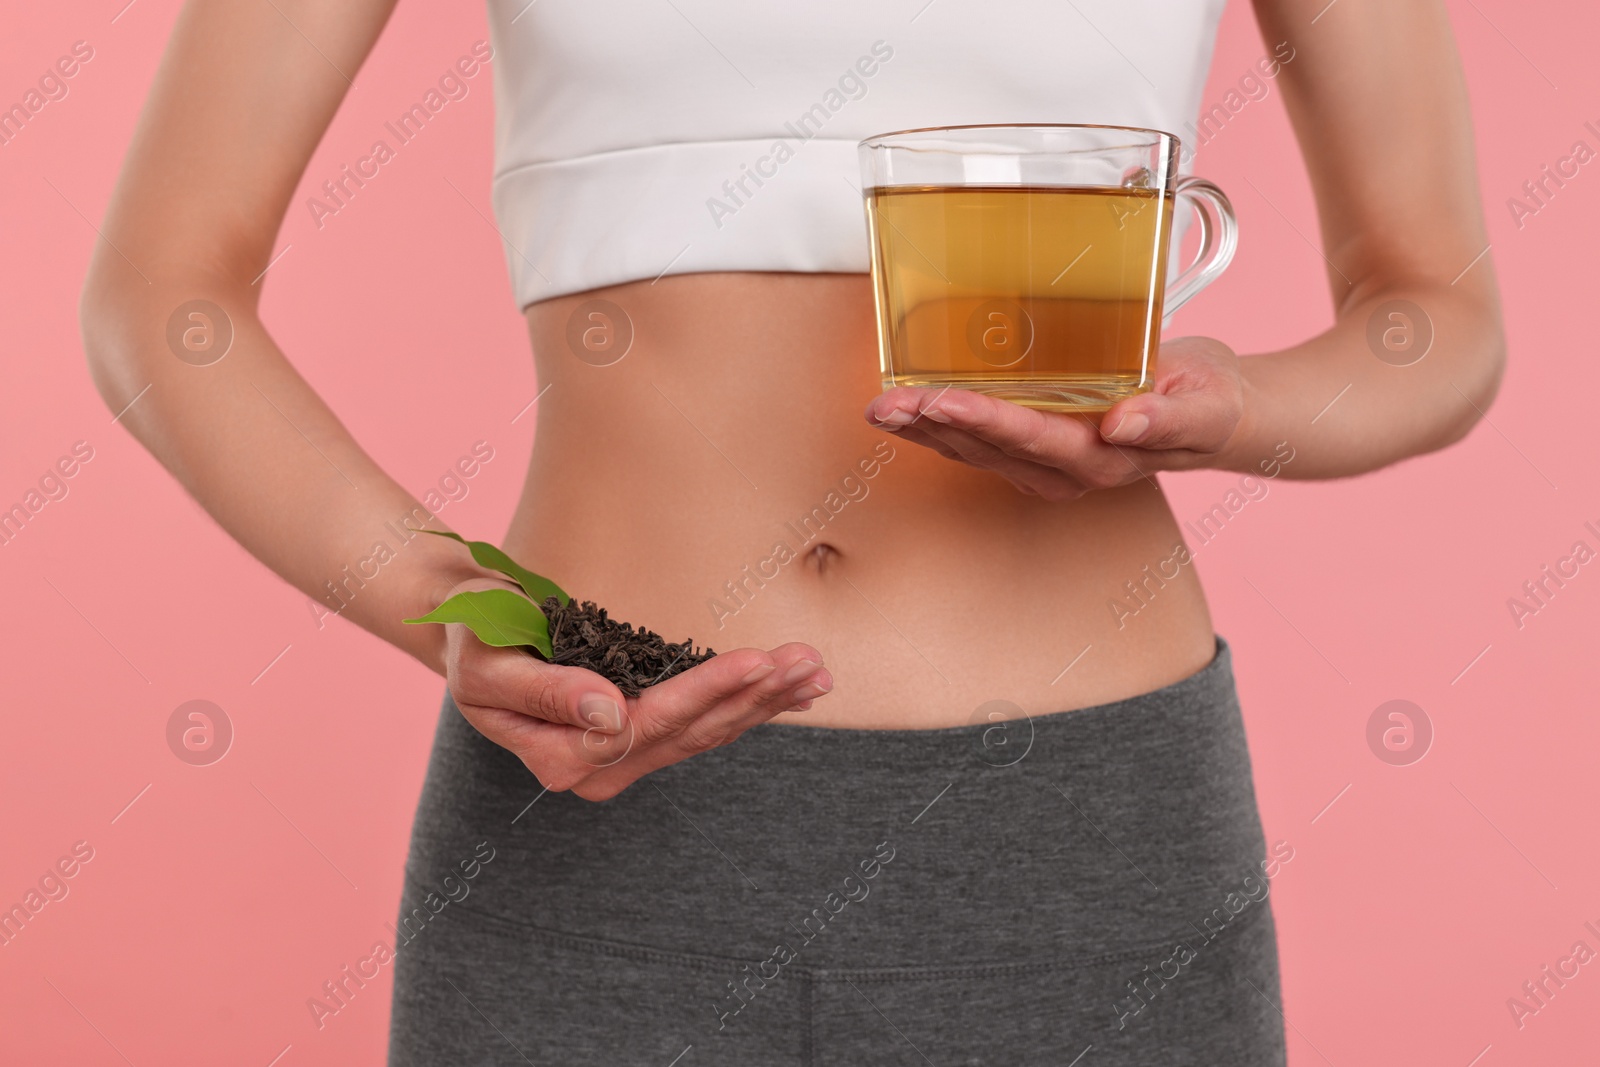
[1029, 262]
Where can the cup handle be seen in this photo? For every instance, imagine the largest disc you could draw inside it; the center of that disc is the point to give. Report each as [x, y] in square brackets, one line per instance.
[1219, 238]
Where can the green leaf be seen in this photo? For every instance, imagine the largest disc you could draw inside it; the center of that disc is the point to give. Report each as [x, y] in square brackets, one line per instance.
[535, 585]
[498, 616]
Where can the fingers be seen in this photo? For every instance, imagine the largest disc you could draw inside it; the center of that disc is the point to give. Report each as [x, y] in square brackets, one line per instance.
[800, 679]
[898, 407]
[1192, 413]
[1144, 424]
[574, 730]
[717, 694]
[1008, 429]
[672, 721]
[1044, 453]
[1196, 404]
[1032, 478]
[916, 435]
[515, 681]
[1199, 422]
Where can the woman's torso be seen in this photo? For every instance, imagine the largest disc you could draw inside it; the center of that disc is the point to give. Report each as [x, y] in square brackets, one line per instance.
[668, 485]
[672, 485]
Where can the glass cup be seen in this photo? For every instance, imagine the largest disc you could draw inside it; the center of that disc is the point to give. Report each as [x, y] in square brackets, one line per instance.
[1030, 262]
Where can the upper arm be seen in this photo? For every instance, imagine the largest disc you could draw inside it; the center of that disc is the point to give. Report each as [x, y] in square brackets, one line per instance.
[245, 90]
[1379, 105]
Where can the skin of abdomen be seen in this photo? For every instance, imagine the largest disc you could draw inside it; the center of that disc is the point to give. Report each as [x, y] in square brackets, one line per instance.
[720, 483]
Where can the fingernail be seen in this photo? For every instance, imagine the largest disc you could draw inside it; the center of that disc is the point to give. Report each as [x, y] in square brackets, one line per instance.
[804, 706]
[1130, 429]
[895, 418]
[601, 712]
[759, 673]
[811, 690]
[800, 670]
[936, 414]
[822, 680]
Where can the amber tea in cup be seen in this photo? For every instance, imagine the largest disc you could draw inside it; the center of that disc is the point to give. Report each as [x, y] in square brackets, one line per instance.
[1030, 262]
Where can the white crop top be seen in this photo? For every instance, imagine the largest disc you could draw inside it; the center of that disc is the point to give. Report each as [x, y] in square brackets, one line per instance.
[637, 138]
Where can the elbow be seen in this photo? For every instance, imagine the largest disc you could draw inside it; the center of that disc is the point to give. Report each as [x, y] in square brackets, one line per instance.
[137, 328]
[1474, 384]
[105, 324]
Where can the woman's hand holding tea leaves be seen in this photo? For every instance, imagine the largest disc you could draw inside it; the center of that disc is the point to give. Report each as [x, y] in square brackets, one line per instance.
[1185, 421]
[573, 728]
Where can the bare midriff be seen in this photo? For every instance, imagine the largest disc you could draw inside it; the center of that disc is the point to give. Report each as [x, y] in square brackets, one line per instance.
[663, 485]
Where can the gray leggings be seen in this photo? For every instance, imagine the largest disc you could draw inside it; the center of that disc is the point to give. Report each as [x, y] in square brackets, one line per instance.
[1079, 889]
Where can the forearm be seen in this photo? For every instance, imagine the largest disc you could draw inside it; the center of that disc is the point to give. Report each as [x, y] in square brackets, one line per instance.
[262, 453]
[1346, 409]
[1379, 106]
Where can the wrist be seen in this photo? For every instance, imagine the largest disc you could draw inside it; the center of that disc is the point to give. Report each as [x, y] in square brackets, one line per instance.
[1249, 445]
[439, 577]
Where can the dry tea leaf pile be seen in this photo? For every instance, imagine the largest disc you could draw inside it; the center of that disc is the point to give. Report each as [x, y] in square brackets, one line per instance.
[632, 658]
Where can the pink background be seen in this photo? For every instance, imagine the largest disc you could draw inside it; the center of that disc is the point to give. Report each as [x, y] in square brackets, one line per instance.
[222, 898]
